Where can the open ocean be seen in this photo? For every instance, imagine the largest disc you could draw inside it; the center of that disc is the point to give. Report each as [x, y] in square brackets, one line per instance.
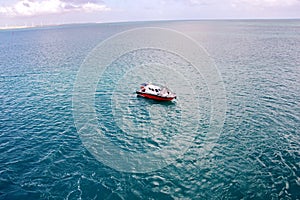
[239, 139]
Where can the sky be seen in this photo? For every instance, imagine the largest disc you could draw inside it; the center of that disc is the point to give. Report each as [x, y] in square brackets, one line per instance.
[52, 12]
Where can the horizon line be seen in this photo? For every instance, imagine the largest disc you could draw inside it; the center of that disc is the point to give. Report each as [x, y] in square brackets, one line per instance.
[25, 26]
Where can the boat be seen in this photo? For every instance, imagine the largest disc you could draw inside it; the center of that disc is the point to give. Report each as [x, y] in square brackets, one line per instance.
[155, 92]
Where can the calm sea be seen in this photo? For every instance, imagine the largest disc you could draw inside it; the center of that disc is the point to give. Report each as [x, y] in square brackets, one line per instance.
[254, 153]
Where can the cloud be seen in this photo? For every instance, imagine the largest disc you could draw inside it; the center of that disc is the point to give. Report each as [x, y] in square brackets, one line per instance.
[267, 3]
[41, 7]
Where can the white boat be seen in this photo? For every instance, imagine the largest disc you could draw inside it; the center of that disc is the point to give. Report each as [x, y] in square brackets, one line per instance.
[151, 91]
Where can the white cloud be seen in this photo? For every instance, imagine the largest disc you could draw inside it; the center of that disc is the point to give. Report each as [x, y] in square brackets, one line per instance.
[40, 7]
[90, 7]
[267, 3]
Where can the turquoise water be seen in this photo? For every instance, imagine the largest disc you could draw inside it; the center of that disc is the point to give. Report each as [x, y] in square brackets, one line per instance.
[255, 156]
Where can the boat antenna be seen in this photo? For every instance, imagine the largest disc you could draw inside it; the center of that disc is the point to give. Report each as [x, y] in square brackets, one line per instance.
[166, 84]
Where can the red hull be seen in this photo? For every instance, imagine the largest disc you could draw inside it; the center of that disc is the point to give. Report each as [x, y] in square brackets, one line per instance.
[154, 97]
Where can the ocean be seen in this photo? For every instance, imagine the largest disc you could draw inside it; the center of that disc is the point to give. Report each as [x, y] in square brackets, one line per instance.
[72, 127]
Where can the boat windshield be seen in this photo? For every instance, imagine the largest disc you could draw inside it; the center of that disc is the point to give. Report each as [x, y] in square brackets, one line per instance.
[164, 91]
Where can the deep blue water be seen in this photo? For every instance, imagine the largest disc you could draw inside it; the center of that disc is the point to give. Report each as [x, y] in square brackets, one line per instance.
[257, 153]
